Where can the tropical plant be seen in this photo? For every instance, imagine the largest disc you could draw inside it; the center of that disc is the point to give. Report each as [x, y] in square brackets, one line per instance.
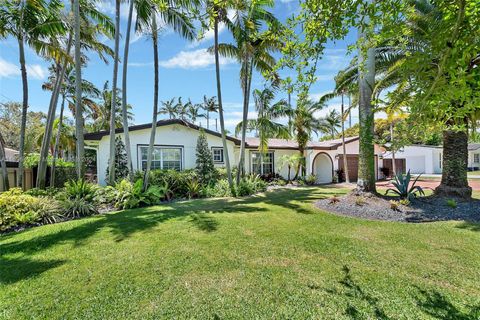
[290, 161]
[209, 105]
[204, 164]
[266, 124]
[252, 49]
[78, 207]
[169, 108]
[194, 188]
[330, 124]
[405, 187]
[121, 163]
[80, 189]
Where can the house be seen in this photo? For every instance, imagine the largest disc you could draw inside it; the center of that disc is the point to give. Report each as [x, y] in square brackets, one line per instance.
[422, 159]
[176, 140]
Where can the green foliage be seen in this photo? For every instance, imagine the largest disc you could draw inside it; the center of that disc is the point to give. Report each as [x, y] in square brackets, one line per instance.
[205, 168]
[250, 185]
[121, 165]
[175, 180]
[221, 189]
[310, 179]
[48, 192]
[80, 189]
[395, 205]
[404, 188]
[194, 188]
[452, 203]
[78, 207]
[32, 160]
[127, 195]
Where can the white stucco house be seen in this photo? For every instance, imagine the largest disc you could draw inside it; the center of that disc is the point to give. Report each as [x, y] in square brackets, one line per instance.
[474, 156]
[176, 140]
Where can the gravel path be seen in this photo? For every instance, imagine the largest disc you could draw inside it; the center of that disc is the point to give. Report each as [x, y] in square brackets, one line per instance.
[420, 210]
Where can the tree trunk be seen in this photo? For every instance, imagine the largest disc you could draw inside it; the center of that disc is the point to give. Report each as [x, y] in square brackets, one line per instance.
[344, 149]
[394, 165]
[366, 83]
[80, 144]
[155, 103]
[454, 169]
[57, 142]
[23, 125]
[124, 91]
[220, 107]
[3, 163]
[113, 103]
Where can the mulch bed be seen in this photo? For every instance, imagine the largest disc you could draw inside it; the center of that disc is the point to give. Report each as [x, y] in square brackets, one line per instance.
[425, 209]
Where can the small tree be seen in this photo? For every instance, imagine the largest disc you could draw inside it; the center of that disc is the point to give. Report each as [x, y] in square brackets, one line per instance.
[121, 161]
[290, 161]
[205, 168]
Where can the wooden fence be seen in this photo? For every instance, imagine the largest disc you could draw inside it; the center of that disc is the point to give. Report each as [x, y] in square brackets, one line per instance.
[12, 168]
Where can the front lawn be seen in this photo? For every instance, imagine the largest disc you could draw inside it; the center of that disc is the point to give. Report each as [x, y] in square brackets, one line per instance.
[269, 256]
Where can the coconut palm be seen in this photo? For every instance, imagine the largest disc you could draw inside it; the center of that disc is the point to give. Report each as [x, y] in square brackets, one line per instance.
[193, 110]
[173, 14]
[169, 108]
[252, 49]
[181, 110]
[330, 123]
[209, 105]
[113, 108]
[266, 124]
[32, 23]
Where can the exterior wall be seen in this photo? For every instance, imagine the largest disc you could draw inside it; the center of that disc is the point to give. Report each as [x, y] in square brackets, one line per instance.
[471, 162]
[420, 159]
[172, 135]
[277, 154]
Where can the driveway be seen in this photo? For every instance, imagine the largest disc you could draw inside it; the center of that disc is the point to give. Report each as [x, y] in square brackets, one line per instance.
[430, 184]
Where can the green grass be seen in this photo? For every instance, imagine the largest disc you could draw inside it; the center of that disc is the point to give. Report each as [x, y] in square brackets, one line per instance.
[474, 173]
[272, 256]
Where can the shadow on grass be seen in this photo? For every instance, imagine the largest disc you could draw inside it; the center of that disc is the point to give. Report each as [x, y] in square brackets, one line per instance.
[439, 306]
[353, 292]
[13, 269]
[123, 224]
[472, 226]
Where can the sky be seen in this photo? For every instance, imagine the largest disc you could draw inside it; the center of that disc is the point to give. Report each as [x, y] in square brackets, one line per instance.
[187, 70]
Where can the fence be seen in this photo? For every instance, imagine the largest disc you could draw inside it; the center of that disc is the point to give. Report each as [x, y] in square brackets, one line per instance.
[12, 169]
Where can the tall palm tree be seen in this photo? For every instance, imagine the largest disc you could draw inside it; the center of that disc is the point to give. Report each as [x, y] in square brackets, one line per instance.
[252, 49]
[330, 123]
[181, 109]
[169, 108]
[209, 105]
[126, 134]
[193, 110]
[111, 159]
[31, 23]
[219, 14]
[266, 123]
[173, 14]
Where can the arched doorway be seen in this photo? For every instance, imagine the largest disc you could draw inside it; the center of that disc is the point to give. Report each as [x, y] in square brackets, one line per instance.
[323, 168]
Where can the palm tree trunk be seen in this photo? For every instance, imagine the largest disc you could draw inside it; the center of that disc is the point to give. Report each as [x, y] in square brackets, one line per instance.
[3, 163]
[455, 161]
[57, 142]
[394, 165]
[220, 106]
[80, 144]
[155, 102]
[124, 92]
[23, 125]
[344, 149]
[111, 160]
[366, 82]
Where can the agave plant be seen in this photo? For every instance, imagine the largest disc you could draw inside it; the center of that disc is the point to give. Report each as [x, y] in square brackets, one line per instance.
[403, 187]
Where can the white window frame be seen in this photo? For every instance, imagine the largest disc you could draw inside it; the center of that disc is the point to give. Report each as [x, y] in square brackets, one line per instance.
[222, 155]
[140, 161]
[262, 163]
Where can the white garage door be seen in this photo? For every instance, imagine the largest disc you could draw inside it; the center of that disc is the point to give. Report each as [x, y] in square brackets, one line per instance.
[416, 164]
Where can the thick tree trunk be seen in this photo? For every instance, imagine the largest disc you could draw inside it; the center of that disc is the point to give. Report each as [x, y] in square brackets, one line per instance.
[344, 149]
[23, 125]
[113, 103]
[454, 169]
[57, 142]
[155, 103]
[394, 165]
[79, 122]
[220, 107]
[3, 163]
[366, 83]
[124, 91]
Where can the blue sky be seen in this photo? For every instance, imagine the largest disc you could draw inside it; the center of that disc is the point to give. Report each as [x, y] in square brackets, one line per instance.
[187, 70]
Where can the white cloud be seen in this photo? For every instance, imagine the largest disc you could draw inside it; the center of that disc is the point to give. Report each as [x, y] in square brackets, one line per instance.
[34, 71]
[195, 59]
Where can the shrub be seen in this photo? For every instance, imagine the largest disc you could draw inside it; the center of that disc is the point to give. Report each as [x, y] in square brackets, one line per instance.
[48, 192]
[194, 188]
[175, 180]
[395, 205]
[128, 195]
[80, 189]
[121, 166]
[403, 188]
[250, 185]
[221, 189]
[452, 203]
[50, 211]
[105, 195]
[310, 179]
[78, 207]
[205, 168]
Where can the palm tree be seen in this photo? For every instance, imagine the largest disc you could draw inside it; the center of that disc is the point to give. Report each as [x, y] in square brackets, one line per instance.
[173, 14]
[181, 109]
[111, 161]
[219, 14]
[209, 105]
[3, 163]
[252, 49]
[266, 122]
[193, 111]
[31, 23]
[290, 161]
[169, 108]
[330, 123]
[124, 90]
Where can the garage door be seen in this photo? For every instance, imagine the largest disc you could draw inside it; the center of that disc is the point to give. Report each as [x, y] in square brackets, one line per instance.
[399, 163]
[352, 163]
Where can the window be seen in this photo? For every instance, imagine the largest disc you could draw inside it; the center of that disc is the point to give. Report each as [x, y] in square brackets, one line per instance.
[440, 160]
[262, 164]
[163, 158]
[217, 154]
[476, 158]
